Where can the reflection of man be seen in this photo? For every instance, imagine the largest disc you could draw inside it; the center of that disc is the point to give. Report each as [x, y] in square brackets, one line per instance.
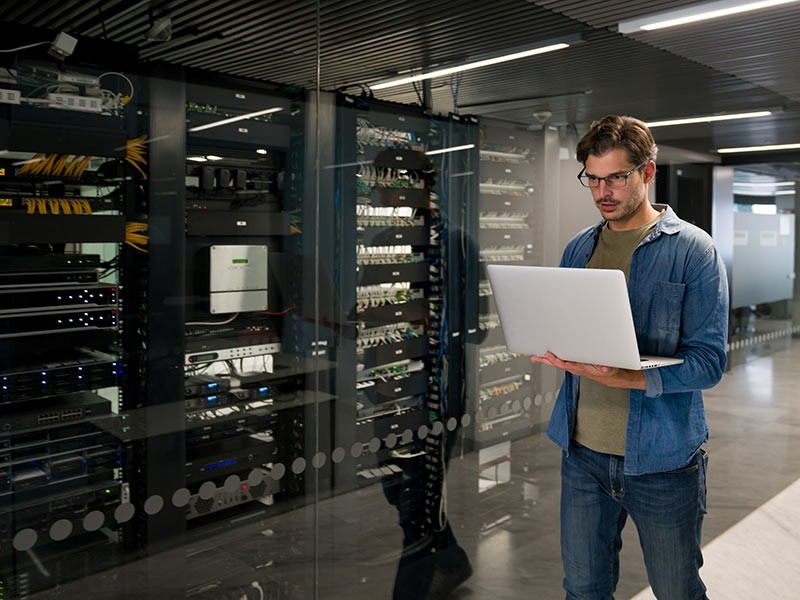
[631, 439]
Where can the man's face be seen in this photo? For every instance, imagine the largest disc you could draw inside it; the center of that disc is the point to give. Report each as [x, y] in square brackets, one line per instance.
[622, 207]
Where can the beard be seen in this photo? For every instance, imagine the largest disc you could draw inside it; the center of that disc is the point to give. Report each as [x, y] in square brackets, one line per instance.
[623, 208]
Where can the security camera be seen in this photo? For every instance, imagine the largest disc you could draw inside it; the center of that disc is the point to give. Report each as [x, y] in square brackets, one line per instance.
[160, 31]
[542, 115]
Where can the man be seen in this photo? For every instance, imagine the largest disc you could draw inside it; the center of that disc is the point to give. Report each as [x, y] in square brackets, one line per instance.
[631, 439]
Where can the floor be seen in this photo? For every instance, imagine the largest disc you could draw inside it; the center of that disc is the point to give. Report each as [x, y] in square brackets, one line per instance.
[348, 546]
[751, 532]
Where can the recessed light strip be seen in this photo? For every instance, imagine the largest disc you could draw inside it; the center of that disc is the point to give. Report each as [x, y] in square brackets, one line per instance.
[709, 118]
[251, 115]
[469, 66]
[450, 149]
[693, 14]
[759, 148]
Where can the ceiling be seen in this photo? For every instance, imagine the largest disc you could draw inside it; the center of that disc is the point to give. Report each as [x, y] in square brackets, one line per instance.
[738, 63]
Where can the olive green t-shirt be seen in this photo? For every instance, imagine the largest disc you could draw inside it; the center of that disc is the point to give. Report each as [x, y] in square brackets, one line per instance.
[602, 417]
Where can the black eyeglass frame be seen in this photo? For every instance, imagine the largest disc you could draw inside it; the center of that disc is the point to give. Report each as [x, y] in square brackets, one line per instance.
[608, 184]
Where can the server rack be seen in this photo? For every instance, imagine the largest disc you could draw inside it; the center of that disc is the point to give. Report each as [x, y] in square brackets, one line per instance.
[65, 218]
[255, 381]
[505, 386]
[402, 196]
[387, 219]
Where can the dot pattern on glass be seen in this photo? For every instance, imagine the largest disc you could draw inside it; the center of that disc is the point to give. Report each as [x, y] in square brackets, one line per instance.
[207, 490]
[153, 505]
[278, 471]
[356, 449]
[318, 460]
[232, 483]
[60, 530]
[25, 540]
[94, 520]
[124, 512]
[255, 477]
[181, 497]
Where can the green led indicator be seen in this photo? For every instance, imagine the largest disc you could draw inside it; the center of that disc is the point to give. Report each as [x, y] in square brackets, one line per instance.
[240, 261]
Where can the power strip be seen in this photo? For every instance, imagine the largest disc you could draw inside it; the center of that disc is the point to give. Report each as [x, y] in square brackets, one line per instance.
[233, 353]
[10, 96]
[75, 102]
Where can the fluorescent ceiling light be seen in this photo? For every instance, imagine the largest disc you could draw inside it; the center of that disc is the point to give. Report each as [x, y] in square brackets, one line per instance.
[197, 158]
[450, 149]
[709, 118]
[693, 14]
[213, 157]
[764, 183]
[468, 66]
[784, 192]
[234, 119]
[759, 148]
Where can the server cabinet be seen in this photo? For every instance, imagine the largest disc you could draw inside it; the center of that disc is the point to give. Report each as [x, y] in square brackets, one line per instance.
[505, 388]
[68, 182]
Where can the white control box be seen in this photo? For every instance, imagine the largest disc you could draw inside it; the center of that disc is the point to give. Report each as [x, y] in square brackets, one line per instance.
[238, 279]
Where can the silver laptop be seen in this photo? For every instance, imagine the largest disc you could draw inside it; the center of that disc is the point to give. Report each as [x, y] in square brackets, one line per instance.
[580, 315]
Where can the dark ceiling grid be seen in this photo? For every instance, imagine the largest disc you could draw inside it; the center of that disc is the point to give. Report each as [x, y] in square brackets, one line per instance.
[476, 29]
[766, 53]
[608, 13]
[762, 47]
[740, 63]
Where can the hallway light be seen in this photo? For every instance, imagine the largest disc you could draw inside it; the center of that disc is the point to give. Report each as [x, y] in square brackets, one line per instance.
[759, 148]
[469, 66]
[709, 118]
[769, 184]
[693, 14]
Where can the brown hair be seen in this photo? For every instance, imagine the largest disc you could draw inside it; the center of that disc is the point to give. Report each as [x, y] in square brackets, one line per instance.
[612, 132]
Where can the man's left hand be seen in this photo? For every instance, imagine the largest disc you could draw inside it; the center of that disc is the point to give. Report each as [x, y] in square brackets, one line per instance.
[610, 376]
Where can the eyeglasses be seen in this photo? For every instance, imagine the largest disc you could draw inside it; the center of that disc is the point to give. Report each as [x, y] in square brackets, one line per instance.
[617, 180]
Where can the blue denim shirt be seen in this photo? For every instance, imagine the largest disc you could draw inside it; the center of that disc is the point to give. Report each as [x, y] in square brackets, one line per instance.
[679, 298]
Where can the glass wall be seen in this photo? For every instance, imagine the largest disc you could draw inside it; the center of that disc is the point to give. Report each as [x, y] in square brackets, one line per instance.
[248, 345]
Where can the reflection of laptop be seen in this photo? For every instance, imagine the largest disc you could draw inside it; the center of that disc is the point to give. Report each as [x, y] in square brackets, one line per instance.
[580, 315]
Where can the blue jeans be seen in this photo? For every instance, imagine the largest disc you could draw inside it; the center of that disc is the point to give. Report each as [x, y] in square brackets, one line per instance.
[667, 509]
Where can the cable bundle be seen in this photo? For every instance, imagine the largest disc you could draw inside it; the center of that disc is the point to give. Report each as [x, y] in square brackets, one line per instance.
[55, 206]
[55, 165]
[135, 154]
[135, 236]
